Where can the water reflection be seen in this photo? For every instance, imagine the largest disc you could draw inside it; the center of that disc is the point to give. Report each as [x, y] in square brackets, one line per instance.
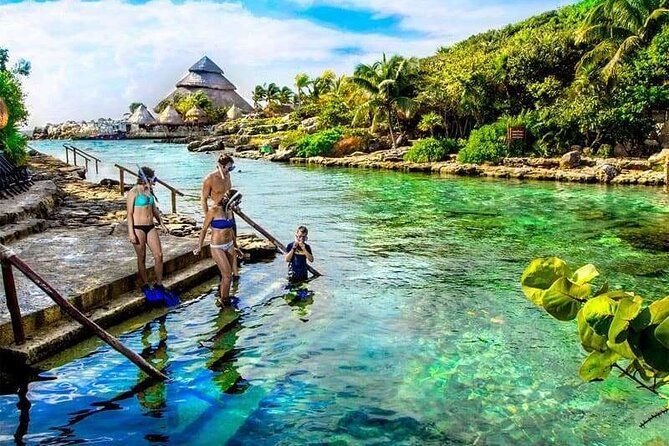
[153, 398]
[222, 352]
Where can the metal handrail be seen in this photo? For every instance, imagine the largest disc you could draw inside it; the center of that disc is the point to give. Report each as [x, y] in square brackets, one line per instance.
[173, 191]
[86, 156]
[8, 259]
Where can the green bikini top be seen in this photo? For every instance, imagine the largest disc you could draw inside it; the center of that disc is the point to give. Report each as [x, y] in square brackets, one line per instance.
[142, 200]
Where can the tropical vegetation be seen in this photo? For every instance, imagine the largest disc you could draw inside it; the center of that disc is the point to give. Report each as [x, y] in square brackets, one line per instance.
[593, 74]
[11, 92]
[618, 329]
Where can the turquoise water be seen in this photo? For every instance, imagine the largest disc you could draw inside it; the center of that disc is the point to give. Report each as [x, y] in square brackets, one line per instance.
[417, 333]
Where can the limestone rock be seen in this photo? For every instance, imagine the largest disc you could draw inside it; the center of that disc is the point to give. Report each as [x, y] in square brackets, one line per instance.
[606, 173]
[659, 158]
[309, 125]
[570, 160]
[283, 154]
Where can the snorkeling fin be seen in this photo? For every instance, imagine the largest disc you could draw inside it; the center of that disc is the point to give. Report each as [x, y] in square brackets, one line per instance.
[170, 298]
[151, 294]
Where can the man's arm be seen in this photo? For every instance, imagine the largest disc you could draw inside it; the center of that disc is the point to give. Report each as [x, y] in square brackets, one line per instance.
[290, 252]
[206, 191]
[307, 252]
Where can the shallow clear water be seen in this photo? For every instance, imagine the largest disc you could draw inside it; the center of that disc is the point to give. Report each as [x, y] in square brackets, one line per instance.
[417, 334]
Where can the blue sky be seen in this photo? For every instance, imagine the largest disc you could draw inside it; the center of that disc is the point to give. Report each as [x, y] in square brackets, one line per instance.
[92, 58]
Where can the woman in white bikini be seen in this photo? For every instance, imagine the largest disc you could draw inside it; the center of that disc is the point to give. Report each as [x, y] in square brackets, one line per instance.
[223, 241]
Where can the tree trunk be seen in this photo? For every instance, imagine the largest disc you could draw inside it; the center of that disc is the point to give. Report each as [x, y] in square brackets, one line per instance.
[390, 128]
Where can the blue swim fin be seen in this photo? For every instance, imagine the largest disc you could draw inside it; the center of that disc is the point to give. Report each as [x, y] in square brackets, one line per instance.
[152, 296]
[170, 298]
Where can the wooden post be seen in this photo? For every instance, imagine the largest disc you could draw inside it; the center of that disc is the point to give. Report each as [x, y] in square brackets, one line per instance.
[12, 302]
[86, 164]
[74, 152]
[666, 173]
[120, 180]
[269, 236]
[67, 155]
[78, 316]
[96, 167]
[173, 197]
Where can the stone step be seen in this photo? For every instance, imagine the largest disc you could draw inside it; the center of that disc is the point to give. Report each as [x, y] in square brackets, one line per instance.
[35, 203]
[15, 231]
[95, 297]
[52, 339]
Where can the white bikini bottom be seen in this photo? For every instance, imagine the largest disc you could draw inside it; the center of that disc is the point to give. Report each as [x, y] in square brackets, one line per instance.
[224, 246]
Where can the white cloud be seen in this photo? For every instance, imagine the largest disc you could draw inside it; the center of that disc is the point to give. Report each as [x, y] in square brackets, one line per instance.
[91, 59]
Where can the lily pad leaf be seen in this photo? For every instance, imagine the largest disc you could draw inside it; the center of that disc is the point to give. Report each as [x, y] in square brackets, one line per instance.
[628, 309]
[597, 365]
[540, 275]
[598, 313]
[563, 299]
[584, 274]
[590, 340]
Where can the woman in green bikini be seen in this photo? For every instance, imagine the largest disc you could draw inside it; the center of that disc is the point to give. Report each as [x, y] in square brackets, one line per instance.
[142, 210]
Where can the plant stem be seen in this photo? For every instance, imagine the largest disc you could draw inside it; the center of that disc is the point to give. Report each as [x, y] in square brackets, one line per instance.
[635, 379]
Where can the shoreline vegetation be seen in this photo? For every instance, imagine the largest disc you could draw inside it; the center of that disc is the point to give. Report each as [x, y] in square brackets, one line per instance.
[576, 94]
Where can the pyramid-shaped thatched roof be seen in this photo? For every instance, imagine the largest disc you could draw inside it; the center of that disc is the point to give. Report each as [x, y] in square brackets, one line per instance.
[169, 116]
[196, 115]
[207, 77]
[141, 116]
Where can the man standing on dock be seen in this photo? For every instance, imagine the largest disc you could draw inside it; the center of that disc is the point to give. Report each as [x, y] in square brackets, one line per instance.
[216, 184]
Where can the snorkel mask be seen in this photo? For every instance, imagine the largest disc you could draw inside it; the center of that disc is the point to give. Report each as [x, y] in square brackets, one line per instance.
[149, 182]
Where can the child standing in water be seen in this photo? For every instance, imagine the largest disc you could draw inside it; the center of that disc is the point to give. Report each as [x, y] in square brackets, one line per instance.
[298, 253]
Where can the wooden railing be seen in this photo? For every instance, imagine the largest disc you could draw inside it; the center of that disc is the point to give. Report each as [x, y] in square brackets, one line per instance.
[9, 259]
[173, 191]
[85, 155]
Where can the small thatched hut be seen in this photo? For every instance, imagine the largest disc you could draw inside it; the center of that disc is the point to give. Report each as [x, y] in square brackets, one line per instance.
[234, 113]
[207, 77]
[170, 117]
[196, 116]
[141, 117]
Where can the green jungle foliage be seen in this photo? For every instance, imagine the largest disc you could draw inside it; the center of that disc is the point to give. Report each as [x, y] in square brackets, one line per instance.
[617, 329]
[11, 140]
[431, 149]
[584, 74]
[319, 143]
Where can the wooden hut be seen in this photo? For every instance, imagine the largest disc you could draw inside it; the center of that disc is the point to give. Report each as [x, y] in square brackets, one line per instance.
[170, 117]
[141, 118]
[196, 116]
[207, 77]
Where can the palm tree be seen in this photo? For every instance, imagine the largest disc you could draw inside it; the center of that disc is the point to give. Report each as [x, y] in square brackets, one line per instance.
[285, 95]
[618, 28]
[258, 96]
[272, 93]
[385, 84]
[301, 82]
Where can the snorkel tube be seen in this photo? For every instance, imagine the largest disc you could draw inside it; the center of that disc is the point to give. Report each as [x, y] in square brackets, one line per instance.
[233, 201]
[146, 180]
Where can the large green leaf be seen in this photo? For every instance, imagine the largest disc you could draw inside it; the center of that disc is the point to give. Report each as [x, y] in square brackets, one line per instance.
[597, 365]
[622, 348]
[590, 340]
[652, 351]
[628, 309]
[584, 274]
[540, 275]
[659, 310]
[642, 320]
[563, 299]
[598, 313]
[662, 332]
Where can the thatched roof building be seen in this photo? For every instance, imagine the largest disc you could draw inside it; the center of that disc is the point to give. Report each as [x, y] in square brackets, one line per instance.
[169, 116]
[196, 116]
[142, 116]
[207, 77]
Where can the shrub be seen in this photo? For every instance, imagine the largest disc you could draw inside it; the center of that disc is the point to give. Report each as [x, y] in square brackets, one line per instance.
[485, 144]
[335, 113]
[348, 145]
[318, 144]
[291, 137]
[431, 149]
